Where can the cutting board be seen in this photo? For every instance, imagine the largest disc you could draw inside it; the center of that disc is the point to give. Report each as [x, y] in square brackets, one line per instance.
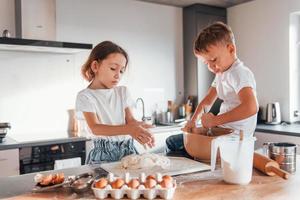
[178, 165]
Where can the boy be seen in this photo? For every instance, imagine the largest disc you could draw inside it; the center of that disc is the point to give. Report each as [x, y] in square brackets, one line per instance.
[234, 83]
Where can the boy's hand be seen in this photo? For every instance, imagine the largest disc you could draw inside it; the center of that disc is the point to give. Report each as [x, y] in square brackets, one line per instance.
[189, 126]
[208, 120]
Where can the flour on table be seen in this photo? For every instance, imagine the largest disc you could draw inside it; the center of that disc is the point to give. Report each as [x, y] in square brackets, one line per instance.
[146, 160]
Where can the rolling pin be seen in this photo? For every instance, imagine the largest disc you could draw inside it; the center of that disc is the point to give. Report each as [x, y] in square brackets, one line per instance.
[268, 166]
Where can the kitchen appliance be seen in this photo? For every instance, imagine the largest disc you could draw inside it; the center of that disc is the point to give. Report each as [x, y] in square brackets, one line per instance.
[6, 33]
[273, 115]
[284, 154]
[236, 155]
[37, 35]
[4, 126]
[42, 158]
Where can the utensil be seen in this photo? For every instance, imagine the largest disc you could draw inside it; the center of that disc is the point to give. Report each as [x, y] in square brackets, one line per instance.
[268, 166]
[284, 154]
[273, 115]
[6, 33]
[206, 110]
[80, 186]
[237, 159]
[181, 111]
[67, 182]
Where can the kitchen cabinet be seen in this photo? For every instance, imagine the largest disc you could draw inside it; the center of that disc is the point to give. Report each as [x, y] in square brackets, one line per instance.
[43, 157]
[197, 78]
[9, 162]
[262, 137]
[35, 19]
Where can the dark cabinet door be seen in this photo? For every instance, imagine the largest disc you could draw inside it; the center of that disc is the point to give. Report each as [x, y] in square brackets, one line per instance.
[197, 78]
[204, 76]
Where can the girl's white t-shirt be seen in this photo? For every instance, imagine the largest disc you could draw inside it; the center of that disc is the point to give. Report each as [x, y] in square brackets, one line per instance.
[108, 104]
[228, 84]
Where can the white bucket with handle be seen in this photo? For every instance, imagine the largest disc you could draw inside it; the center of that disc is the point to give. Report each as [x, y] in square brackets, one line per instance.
[236, 157]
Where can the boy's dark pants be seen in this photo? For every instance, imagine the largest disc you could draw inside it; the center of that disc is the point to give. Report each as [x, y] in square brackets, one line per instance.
[176, 146]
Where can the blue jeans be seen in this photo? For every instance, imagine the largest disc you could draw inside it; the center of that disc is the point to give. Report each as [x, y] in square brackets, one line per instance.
[176, 146]
[110, 151]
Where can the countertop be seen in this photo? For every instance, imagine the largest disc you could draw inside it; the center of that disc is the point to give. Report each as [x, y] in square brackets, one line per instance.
[204, 185]
[282, 129]
[10, 143]
[64, 137]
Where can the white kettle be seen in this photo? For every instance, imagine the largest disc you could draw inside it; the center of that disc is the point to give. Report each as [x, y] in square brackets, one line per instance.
[273, 115]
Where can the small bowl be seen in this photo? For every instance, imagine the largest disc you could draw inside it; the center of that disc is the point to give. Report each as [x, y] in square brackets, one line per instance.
[198, 143]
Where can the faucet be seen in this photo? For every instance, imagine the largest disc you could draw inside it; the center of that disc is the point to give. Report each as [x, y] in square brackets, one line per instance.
[143, 104]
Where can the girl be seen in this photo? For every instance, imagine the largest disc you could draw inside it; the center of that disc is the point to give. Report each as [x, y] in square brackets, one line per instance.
[106, 106]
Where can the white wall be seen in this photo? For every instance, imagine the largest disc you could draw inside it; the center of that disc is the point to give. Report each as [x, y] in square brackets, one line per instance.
[261, 29]
[37, 89]
[7, 16]
[151, 33]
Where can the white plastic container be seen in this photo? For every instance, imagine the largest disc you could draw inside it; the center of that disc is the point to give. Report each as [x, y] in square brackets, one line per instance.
[141, 191]
[236, 158]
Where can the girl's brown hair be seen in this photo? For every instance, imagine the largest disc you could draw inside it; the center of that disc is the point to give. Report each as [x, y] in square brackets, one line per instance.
[213, 34]
[99, 53]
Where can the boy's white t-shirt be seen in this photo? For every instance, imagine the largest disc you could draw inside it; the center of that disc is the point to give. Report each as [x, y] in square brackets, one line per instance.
[228, 84]
[108, 104]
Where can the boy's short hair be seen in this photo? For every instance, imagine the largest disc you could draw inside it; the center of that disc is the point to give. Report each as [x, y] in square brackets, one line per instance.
[217, 32]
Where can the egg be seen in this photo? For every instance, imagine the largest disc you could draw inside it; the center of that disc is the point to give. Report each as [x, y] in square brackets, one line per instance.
[133, 183]
[61, 177]
[101, 183]
[166, 183]
[118, 183]
[150, 183]
[46, 180]
[167, 177]
[151, 177]
[38, 178]
[58, 178]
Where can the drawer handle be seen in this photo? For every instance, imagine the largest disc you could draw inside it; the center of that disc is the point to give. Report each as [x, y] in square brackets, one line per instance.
[3, 159]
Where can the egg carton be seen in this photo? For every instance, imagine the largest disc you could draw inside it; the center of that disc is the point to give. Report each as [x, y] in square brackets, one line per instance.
[147, 193]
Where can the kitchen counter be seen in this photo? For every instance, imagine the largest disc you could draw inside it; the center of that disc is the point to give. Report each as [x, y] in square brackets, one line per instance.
[282, 129]
[204, 185]
[64, 137]
[10, 143]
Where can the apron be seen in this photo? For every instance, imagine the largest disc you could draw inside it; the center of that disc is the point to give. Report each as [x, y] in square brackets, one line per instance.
[110, 151]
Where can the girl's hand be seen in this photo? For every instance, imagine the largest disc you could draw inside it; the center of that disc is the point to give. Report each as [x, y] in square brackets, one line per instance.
[142, 135]
[207, 120]
[189, 126]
